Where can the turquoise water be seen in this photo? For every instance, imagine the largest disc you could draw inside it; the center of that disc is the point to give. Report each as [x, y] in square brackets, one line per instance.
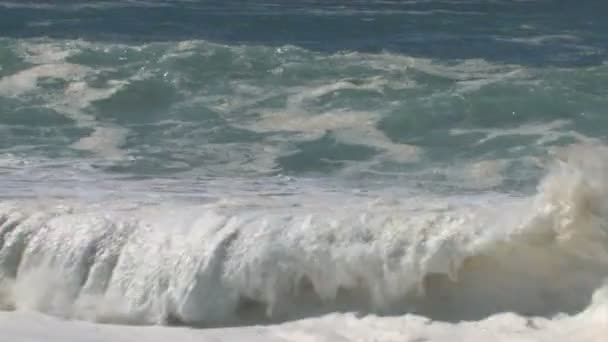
[384, 89]
[162, 159]
[215, 110]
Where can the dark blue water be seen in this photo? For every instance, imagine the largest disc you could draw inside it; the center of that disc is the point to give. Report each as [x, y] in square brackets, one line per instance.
[435, 29]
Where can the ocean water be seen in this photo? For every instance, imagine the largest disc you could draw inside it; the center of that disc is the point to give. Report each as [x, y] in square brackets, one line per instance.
[303, 170]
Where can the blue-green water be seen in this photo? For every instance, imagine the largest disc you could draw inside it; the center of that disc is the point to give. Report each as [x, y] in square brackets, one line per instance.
[364, 89]
[258, 157]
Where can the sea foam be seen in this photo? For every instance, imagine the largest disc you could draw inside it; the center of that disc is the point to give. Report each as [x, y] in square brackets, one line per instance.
[232, 263]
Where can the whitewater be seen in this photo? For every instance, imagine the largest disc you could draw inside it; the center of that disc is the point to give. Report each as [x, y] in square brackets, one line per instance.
[303, 171]
[422, 268]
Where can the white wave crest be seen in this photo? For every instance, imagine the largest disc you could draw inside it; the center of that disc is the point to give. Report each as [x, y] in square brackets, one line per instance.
[224, 264]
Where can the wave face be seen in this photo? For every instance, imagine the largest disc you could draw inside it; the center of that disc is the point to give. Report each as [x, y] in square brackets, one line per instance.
[227, 263]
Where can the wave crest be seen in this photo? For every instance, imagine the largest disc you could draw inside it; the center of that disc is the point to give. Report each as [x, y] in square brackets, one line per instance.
[217, 265]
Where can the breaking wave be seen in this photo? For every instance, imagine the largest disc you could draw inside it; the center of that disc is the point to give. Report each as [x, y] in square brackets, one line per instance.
[226, 263]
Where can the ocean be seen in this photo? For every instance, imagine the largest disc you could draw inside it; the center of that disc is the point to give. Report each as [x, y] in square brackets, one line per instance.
[279, 170]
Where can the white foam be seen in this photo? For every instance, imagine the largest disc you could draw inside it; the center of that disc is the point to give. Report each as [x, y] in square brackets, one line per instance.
[590, 325]
[303, 95]
[479, 175]
[76, 97]
[548, 132]
[230, 262]
[104, 141]
[309, 111]
[348, 126]
[542, 39]
[304, 115]
[41, 51]
[468, 75]
[464, 70]
[27, 80]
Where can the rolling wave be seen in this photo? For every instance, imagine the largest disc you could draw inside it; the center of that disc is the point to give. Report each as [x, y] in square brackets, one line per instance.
[226, 263]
